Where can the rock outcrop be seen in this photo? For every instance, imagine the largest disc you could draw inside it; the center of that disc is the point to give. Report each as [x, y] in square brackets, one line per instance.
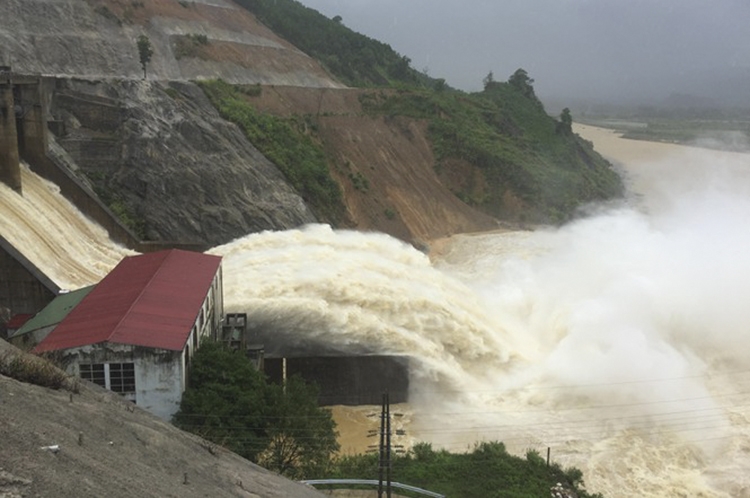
[160, 156]
[163, 153]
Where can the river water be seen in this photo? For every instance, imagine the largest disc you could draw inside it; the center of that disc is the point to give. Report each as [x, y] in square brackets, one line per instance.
[619, 341]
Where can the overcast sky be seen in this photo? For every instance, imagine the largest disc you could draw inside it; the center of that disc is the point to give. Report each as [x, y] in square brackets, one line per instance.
[642, 49]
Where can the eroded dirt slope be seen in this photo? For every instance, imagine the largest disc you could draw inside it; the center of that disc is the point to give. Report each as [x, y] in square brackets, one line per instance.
[385, 166]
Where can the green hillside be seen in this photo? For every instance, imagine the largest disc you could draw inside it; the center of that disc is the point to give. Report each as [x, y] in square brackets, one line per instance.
[503, 131]
[355, 59]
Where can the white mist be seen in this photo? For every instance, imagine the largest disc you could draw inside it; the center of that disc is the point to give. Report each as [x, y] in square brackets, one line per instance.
[619, 341]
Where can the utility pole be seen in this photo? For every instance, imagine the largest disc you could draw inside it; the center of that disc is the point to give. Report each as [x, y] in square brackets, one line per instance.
[388, 444]
[385, 447]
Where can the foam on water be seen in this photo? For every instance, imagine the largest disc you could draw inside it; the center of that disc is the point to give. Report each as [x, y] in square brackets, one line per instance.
[620, 341]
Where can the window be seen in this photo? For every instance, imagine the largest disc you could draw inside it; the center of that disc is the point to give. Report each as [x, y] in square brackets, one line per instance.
[117, 377]
[93, 373]
[122, 377]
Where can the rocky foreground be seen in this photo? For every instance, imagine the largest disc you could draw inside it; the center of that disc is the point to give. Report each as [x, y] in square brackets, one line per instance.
[92, 443]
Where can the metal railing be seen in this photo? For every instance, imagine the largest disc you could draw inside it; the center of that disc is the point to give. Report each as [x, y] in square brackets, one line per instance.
[373, 482]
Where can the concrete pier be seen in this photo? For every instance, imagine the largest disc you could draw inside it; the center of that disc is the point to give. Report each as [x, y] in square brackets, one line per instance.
[10, 168]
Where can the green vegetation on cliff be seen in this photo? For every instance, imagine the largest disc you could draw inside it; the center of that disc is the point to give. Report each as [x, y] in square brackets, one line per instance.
[282, 141]
[355, 59]
[497, 150]
[505, 133]
[522, 153]
[487, 471]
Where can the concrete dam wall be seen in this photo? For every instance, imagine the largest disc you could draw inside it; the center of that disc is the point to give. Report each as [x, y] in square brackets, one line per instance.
[348, 380]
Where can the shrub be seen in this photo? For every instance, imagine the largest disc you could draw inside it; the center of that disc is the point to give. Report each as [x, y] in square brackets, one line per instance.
[174, 94]
[33, 370]
[104, 11]
[293, 151]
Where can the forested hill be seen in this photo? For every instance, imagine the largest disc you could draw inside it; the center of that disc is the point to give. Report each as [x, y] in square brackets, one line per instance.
[497, 150]
[354, 58]
[332, 126]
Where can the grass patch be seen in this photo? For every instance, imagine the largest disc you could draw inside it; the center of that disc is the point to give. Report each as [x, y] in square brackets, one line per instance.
[517, 147]
[486, 471]
[32, 369]
[127, 216]
[189, 45]
[288, 144]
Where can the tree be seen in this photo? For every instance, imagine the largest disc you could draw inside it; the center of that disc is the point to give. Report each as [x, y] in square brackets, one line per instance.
[231, 404]
[401, 69]
[520, 81]
[488, 80]
[565, 126]
[303, 439]
[222, 399]
[145, 51]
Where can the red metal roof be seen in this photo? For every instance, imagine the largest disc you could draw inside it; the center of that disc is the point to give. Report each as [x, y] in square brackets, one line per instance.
[17, 321]
[150, 300]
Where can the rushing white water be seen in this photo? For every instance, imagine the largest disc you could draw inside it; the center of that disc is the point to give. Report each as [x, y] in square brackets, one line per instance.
[50, 232]
[619, 341]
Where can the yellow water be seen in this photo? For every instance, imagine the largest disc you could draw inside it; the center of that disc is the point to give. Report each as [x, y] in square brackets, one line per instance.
[618, 341]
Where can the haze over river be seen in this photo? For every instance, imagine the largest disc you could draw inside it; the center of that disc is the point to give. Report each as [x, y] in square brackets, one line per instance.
[619, 341]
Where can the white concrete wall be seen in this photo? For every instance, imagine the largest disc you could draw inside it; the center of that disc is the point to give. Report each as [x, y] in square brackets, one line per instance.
[159, 374]
[159, 384]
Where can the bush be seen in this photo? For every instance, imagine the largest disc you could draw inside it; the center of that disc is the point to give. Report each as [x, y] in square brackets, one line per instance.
[282, 141]
[282, 428]
[486, 471]
[33, 370]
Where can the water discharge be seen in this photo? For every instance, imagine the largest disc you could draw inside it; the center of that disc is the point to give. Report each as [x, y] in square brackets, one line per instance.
[619, 341]
[52, 234]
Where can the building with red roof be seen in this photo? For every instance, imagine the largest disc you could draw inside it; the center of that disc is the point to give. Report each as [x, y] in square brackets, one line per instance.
[134, 333]
[16, 322]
